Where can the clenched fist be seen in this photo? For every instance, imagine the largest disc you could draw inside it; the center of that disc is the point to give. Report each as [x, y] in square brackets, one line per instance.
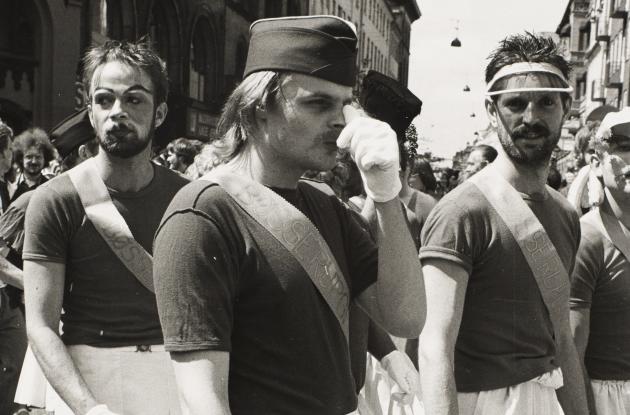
[374, 148]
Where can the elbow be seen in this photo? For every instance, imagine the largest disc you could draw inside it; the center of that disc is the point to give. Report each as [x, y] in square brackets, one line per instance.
[406, 321]
[408, 327]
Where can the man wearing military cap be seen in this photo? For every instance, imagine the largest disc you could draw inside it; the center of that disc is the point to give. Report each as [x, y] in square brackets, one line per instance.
[497, 253]
[600, 288]
[256, 267]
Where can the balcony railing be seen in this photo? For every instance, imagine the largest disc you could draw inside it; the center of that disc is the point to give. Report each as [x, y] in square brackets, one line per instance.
[618, 9]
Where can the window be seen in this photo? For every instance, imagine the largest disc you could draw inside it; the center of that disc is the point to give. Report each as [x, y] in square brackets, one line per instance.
[202, 70]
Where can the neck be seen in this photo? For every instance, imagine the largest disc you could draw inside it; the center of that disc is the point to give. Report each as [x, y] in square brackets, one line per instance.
[31, 179]
[526, 179]
[265, 169]
[125, 175]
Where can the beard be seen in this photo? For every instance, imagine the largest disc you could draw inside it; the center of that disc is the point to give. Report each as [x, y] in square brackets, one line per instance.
[537, 155]
[124, 142]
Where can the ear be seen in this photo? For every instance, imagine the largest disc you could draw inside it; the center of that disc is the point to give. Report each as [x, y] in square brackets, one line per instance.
[84, 152]
[491, 110]
[160, 114]
[89, 111]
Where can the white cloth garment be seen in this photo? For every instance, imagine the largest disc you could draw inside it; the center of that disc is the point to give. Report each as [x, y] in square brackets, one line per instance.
[534, 397]
[612, 397]
[129, 382]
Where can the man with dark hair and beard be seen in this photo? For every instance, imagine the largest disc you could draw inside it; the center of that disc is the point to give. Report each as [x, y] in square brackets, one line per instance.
[88, 245]
[497, 253]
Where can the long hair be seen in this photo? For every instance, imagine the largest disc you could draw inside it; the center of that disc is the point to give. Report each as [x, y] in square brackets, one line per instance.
[237, 122]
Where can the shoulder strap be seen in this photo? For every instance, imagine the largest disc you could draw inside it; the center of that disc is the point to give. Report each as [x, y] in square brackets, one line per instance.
[541, 255]
[618, 235]
[109, 223]
[296, 233]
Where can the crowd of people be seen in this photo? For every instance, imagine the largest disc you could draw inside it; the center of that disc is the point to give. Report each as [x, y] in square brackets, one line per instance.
[301, 263]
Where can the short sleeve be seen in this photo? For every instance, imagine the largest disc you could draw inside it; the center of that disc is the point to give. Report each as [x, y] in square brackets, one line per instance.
[46, 227]
[195, 283]
[589, 265]
[447, 234]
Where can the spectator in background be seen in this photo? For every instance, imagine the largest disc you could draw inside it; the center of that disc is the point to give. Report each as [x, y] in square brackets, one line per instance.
[421, 177]
[181, 153]
[32, 151]
[480, 156]
[554, 178]
[204, 161]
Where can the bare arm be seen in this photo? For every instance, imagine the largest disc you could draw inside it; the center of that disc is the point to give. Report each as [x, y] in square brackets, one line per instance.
[446, 285]
[9, 273]
[397, 300]
[580, 327]
[43, 289]
[202, 381]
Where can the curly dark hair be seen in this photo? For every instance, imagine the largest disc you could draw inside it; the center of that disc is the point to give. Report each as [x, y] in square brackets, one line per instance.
[33, 137]
[138, 55]
[526, 47]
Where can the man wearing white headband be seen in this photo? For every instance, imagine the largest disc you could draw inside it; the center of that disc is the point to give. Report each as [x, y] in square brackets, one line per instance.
[600, 289]
[497, 253]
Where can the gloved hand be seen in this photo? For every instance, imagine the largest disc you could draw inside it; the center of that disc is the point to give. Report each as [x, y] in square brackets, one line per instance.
[374, 148]
[400, 368]
[101, 409]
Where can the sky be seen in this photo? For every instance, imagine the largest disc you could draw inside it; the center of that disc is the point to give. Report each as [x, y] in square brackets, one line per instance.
[438, 72]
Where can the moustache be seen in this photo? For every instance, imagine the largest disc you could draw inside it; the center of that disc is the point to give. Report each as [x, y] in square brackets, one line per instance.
[524, 131]
[120, 130]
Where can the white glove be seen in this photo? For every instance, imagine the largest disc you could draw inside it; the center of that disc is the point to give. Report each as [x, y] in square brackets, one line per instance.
[402, 371]
[101, 409]
[374, 148]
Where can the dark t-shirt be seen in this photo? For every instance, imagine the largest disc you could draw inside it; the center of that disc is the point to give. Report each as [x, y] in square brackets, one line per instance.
[104, 304]
[601, 283]
[505, 336]
[224, 283]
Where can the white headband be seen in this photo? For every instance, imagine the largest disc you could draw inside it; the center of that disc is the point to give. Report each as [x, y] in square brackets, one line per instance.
[527, 67]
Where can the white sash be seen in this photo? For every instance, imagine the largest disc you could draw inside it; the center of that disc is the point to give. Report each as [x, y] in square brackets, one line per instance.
[295, 232]
[549, 272]
[618, 234]
[109, 223]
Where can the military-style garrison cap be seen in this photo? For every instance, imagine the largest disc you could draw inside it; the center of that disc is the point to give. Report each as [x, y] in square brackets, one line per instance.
[320, 46]
[72, 132]
[388, 100]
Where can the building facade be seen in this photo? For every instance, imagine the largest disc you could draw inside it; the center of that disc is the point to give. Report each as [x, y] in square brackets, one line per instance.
[204, 43]
[383, 29]
[594, 37]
